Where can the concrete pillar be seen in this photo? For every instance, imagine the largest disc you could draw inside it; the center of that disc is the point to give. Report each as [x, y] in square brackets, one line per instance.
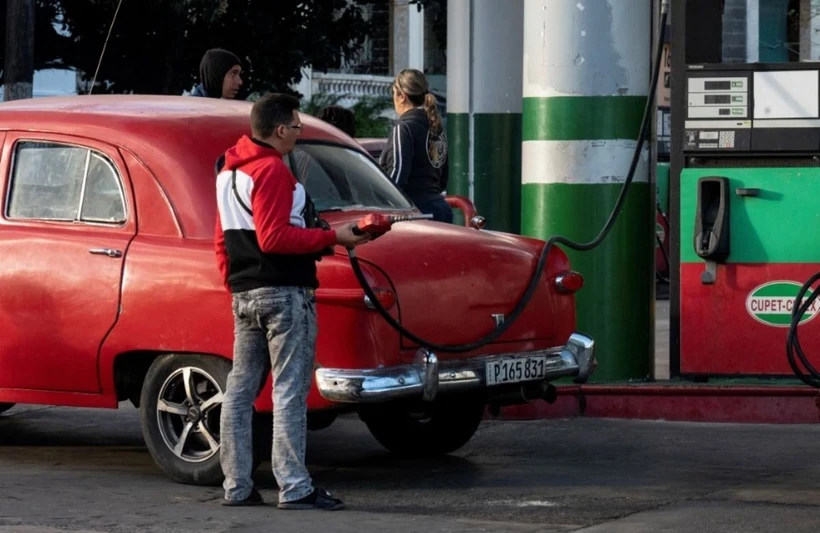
[586, 76]
[400, 45]
[459, 101]
[484, 45]
[407, 24]
[809, 30]
[415, 38]
[305, 84]
[752, 31]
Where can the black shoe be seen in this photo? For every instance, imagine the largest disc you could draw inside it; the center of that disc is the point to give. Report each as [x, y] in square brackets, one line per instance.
[253, 499]
[318, 499]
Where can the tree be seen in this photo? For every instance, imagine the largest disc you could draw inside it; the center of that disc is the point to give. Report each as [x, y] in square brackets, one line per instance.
[49, 43]
[156, 45]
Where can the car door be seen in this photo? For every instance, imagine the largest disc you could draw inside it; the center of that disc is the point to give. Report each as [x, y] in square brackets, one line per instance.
[68, 218]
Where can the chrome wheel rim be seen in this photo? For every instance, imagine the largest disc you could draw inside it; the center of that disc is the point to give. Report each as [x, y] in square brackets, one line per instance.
[188, 409]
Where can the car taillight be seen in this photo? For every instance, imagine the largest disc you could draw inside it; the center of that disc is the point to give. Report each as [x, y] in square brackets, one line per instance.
[386, 297]
[569, 282]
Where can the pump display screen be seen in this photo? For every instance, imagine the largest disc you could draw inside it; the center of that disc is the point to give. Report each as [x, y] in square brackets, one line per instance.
[717, 98]
[786, 95]
[752, 108]
[718, 86]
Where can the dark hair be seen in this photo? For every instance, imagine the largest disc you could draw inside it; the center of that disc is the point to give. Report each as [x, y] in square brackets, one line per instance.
[341, 117]
[413, 83]
[271, 111]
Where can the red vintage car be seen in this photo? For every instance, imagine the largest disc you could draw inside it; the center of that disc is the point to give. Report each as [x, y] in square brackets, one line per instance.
[109, 289]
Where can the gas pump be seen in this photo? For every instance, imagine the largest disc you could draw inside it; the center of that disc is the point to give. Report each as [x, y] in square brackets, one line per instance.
[745, 195]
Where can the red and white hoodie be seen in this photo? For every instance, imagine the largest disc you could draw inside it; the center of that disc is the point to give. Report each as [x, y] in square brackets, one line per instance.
[272, 246]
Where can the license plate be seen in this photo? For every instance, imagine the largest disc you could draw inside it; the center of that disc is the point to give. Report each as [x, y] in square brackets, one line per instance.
[515, 370]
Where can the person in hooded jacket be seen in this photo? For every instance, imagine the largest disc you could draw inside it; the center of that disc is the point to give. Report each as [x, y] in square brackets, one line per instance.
[220, 75]
[267, 246]
[415, 156]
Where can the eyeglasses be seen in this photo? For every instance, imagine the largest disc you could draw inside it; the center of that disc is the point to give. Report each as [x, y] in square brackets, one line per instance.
[295, 126]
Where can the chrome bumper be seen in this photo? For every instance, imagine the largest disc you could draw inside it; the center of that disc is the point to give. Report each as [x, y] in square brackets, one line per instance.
[427, 376]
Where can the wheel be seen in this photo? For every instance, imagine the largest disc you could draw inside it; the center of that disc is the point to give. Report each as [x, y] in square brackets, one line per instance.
[180, 405]
[424, 429]
[5, 407]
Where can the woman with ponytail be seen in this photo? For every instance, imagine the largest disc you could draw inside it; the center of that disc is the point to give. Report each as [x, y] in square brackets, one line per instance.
[415, 157]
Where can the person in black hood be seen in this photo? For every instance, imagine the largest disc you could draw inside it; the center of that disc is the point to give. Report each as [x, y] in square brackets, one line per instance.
[415, 157]
[219, 75]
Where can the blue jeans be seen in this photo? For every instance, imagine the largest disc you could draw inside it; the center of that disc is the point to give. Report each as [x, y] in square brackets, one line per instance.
[274, 327]
[438, 207]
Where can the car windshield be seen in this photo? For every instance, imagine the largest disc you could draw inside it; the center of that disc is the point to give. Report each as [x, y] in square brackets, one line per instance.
[337, 177]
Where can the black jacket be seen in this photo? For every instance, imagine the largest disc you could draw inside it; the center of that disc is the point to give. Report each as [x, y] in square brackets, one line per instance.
[406, 158]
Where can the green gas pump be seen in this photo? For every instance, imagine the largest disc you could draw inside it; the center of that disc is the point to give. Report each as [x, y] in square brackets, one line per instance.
[744, 189]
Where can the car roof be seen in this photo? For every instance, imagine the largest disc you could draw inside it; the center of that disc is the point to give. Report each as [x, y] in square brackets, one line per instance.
[121, 110]
[179, 138]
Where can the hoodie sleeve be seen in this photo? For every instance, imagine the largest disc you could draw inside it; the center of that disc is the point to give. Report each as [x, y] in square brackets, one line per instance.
[445, 176]
[221, 251]
[272, 204]
[399, 157]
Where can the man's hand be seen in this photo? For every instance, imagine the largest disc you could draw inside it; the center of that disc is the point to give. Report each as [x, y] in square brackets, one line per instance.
[346, 237]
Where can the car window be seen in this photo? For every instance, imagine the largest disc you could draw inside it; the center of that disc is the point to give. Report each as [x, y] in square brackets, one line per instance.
[338, 177]
[103, 199]
[307, 169]
[52, 181]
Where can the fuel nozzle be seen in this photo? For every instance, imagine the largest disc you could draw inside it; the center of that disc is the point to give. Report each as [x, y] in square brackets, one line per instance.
[378, 224]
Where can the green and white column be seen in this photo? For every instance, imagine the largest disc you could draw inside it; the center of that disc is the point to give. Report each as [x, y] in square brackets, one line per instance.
[484, 48]
[586, 79]
[458, 98]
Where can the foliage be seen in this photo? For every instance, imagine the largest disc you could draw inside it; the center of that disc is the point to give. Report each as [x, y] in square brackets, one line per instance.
[156, 45]
[370, 121]
[368, 112]
[49, 42]
[318, 101]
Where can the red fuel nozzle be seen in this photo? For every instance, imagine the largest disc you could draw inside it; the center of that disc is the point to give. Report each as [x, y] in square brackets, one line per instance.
[379, 224]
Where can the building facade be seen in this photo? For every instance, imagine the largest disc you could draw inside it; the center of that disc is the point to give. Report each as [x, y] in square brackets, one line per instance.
[403, 36]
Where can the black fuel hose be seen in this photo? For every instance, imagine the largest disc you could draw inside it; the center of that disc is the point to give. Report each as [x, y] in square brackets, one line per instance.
[811, 377]
[556, 239]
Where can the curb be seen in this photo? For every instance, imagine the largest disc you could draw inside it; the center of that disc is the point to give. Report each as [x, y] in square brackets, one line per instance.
[673, 402]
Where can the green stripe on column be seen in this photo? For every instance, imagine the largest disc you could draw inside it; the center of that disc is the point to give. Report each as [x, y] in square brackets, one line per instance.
[584, 118]
[498, 169]
[614, 305]
[458, 158]
[458, 153]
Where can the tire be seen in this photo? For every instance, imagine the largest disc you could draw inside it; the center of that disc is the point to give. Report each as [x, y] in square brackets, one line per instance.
[425, 430]
[196, 461]
[5, 407]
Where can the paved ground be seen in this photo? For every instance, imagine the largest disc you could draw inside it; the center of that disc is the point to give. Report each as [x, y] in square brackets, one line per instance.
[85, 470]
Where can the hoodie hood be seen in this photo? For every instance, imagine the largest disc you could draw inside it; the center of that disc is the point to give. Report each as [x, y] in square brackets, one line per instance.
[212, 69]
[248, 150]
